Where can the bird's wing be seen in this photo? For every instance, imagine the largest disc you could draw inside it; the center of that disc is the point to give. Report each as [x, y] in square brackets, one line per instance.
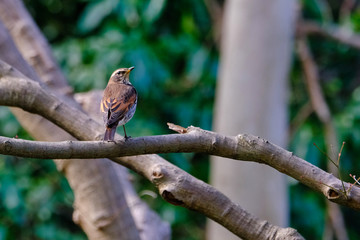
[115, 108]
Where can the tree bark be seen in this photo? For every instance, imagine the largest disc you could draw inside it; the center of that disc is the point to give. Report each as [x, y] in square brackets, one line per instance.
[251, 97]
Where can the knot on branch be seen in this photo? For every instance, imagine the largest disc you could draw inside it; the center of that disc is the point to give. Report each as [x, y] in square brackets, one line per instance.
[99, 220]
[157, 175]
[182, 130]
[103, 221]
[169, 180]
[332, 194]
[169, 197]
[166, 175]
[336, 191]
[7, 146]
[177, 128]
[5, 69]
[246, 140]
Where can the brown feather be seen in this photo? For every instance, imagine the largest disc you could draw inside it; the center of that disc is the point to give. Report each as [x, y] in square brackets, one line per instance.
[119, 102]
[109, 134]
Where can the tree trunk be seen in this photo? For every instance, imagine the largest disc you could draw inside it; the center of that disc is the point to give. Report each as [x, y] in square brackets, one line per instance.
[251, 98]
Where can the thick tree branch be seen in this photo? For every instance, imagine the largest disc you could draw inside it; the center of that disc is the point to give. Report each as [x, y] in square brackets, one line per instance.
[242, 147]
[102, 212]
[175, 185]
[33, 45]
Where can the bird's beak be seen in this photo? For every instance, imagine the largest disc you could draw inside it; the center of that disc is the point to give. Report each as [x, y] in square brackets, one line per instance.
[130, 69]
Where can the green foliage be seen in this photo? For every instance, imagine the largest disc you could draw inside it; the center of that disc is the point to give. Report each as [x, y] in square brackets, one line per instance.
[35, 201]
[307, 212]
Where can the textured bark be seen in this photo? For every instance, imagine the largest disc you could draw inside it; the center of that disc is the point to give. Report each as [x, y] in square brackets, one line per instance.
[100, 208]
[32, 44]
[251, 96]
[175, 185]
[242, 147]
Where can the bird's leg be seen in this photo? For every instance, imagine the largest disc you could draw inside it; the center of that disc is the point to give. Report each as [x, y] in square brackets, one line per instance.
[126, 137]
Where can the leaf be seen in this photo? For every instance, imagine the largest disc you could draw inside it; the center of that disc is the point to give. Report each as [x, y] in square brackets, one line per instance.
[154, 10]
[94, 14]
[196, 63]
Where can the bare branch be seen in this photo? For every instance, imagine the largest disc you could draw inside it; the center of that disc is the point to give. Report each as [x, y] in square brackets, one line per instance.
[33, 44]
[311, 76]
[339, 34]
[300, 117]
[242, 147]
[322, 110]
[345, 9]
[175, 185]
[216, 14]
[101, 215]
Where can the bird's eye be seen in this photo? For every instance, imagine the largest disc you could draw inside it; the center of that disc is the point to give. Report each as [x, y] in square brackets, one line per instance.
[118, 73]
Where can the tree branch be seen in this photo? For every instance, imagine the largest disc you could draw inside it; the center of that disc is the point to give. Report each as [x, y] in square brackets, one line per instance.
[311, 76]
[175, 185]
[215, 11]
[339, 34]
[323, 112]
[242, 147]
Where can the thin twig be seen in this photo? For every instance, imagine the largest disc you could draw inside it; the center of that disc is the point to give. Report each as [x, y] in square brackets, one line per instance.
[333, 32]
[322, 110]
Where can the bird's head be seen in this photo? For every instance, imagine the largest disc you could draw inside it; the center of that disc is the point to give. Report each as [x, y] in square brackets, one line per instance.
[121, 75]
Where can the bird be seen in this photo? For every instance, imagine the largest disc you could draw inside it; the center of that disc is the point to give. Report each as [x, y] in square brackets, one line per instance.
[119, 102]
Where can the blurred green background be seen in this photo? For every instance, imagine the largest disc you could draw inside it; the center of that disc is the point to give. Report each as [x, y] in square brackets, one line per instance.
[172, 46]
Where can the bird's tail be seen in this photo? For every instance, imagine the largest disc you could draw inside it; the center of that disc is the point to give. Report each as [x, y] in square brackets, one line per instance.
[109, 134]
